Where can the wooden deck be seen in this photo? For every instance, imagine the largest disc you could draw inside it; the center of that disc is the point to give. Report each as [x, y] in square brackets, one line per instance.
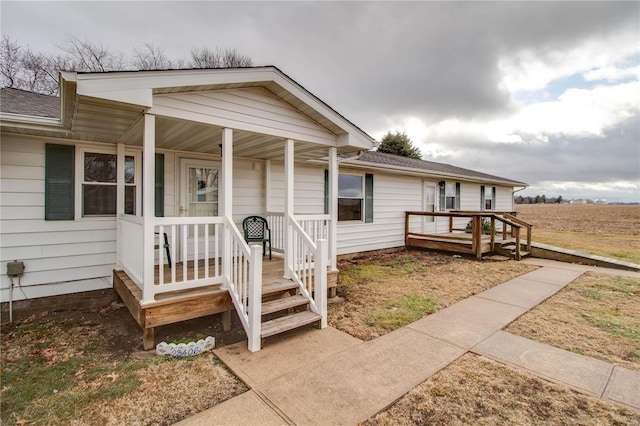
[172, 307]
[456, 242]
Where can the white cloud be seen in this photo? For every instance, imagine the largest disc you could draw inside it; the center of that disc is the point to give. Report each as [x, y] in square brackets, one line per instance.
[620, 191]
[612, 74]
[533, 69]
[577, 112]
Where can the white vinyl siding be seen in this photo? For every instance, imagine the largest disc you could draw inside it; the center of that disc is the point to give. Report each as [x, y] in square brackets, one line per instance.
[308, 189]
[392, 196]
[55, 253]
[251, 109]
[504, 199]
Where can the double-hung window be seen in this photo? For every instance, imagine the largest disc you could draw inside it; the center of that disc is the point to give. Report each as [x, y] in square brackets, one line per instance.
[355, 197]
[487, 198]
[350, 197]
[449, 196]
[99, 184]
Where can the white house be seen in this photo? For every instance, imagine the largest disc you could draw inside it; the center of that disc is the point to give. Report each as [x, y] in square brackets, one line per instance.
[91, 181]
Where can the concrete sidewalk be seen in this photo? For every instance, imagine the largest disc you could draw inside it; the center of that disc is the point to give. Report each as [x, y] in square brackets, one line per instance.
[328, 377]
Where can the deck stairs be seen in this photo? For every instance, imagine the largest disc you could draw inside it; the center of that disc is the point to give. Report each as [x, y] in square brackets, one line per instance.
[283, 308]
[507, 248]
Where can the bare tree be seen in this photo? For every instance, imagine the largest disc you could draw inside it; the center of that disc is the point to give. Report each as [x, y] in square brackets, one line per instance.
[150, 57]
[9, 61]
[208, 58]
[87, 56]
[22, 68]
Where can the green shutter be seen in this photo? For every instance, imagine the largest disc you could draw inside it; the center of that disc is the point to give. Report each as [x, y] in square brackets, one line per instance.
[159, 185]
[59, 182]
[457, 195]
[481, 197]
[326, 192]
[368, 198]
[443, 199]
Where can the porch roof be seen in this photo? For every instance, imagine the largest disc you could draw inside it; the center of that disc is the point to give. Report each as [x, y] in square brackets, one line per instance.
[108, 107]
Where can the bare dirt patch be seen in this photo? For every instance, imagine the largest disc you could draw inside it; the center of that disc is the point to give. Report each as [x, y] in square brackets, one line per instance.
[379, 294]
[475, 390]
[595, 315]
[84, 367]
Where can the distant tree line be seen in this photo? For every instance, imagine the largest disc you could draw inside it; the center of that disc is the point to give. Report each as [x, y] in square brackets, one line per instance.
[539, 199]
[23, 68]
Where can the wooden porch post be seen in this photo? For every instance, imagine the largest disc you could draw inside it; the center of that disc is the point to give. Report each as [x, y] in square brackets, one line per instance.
[333, 208]
[119, 201]
[226, 199]
[148, 203]
[288, 206]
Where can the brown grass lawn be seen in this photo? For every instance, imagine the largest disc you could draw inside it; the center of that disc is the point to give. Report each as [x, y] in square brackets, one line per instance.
[596, 315]
[386, 292]
[609, 231]
[477, 391]
[79, 367]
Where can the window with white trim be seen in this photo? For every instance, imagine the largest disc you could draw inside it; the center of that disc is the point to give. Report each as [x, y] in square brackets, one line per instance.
[98, 190]
[350, 197]
[450, 196]
[487, 198]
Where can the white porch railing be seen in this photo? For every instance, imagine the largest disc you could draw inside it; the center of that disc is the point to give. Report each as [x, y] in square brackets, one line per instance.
[309, 268]
[244, 281]
[130, 242]
[277, 225]
[198, 239]
[316, 226]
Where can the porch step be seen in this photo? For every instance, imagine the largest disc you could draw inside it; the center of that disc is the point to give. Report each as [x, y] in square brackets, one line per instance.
[278, 287]
[283, 304]
[280, 325]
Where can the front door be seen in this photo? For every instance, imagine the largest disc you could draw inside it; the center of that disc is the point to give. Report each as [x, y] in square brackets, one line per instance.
[429, 197]
[198, 197]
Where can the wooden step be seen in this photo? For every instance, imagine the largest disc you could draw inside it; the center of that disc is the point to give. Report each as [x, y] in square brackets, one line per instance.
[278, 287]
[283, 304]
[280, 325]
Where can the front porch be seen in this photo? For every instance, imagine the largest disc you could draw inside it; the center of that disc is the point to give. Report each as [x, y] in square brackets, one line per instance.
[183, 305]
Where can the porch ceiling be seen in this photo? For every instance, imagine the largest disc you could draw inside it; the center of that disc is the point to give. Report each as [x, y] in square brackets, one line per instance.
[108, 121]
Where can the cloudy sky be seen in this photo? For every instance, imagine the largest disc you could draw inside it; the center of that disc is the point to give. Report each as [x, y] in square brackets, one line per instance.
[542, 92]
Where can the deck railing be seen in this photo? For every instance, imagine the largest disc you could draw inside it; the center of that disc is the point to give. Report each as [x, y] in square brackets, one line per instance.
[130, 250]
[197, 240]
[276, 224]
[316, 226]
[243, 278]
[510, 225]
[309, 268]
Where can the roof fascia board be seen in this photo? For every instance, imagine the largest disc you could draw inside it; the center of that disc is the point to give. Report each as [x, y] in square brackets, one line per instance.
[137, 88]
[425, 173]
[10, 118]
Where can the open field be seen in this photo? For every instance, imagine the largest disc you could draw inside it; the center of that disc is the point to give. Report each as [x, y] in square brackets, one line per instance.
[610, 231]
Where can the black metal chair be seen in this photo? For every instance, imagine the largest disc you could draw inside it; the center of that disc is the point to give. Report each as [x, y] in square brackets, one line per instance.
[165, 246]
[256, 230]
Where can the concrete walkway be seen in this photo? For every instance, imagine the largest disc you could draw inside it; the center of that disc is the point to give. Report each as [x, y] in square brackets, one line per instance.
[328, 377]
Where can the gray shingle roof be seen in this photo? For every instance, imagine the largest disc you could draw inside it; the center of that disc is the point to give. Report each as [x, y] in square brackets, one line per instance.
[383, 159]
[16, 101]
